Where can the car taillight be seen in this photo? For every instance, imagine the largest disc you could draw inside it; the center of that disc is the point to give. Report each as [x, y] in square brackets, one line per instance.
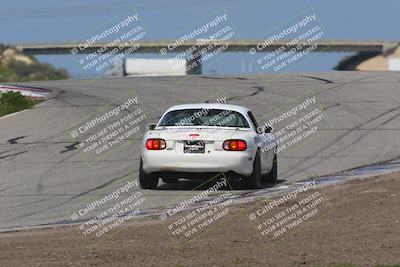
[155, 144]
[234, 145]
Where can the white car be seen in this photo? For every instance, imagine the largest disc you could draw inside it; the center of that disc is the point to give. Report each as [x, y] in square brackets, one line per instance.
[197, 141]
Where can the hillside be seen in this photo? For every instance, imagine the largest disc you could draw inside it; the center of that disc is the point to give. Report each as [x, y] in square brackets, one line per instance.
[18, 67]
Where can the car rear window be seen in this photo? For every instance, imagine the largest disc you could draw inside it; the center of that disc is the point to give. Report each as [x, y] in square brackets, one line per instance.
[204, 117]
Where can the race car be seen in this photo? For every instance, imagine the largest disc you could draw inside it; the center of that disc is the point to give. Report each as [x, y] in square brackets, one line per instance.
[197, 141]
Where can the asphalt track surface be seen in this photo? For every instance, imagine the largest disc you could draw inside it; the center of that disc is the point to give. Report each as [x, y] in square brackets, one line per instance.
[44, 175]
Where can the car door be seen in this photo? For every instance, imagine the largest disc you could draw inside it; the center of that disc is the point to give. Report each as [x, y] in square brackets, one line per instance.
[265, 141]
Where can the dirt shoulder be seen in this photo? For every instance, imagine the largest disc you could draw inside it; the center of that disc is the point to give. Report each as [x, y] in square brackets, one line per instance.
[361, 228]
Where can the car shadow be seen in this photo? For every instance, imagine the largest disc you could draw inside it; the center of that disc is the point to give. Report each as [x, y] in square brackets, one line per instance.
[195, 185]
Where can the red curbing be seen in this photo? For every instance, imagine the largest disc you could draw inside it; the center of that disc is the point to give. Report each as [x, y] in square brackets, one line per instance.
[26, 91]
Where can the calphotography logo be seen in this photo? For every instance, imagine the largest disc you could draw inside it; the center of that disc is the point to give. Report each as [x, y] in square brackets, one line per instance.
[99, 217]
[205, 119]
[199, 44]
[103, 50]
[111, 128]
[295, 124]
[283, 215]
[290, 43]
[190, 218]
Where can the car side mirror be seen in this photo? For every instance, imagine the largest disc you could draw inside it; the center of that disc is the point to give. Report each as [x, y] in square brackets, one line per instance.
[151, 127]
[268, 129]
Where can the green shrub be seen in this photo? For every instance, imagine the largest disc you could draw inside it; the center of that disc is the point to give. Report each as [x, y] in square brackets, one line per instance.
[13, 101]
[39, 71]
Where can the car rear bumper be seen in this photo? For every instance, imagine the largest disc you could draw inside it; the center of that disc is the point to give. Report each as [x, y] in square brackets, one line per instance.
[240, 162]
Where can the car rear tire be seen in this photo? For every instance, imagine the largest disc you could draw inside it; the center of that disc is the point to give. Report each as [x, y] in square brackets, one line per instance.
[254, 180]
[272, 176]
[147, 181]
[169, 180]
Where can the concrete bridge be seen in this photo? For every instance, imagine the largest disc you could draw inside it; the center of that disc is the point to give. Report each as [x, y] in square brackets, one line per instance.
[232, 46]
[195, 46]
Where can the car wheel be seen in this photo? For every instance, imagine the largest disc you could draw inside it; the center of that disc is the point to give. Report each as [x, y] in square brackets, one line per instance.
[272, 176]
[169, 180]
[254, 180]
[147, 181]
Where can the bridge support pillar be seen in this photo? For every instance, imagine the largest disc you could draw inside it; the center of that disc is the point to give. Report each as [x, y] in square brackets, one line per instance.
[194, 63]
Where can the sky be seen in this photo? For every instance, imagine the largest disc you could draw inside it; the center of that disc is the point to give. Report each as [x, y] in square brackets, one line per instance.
[49, 21]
